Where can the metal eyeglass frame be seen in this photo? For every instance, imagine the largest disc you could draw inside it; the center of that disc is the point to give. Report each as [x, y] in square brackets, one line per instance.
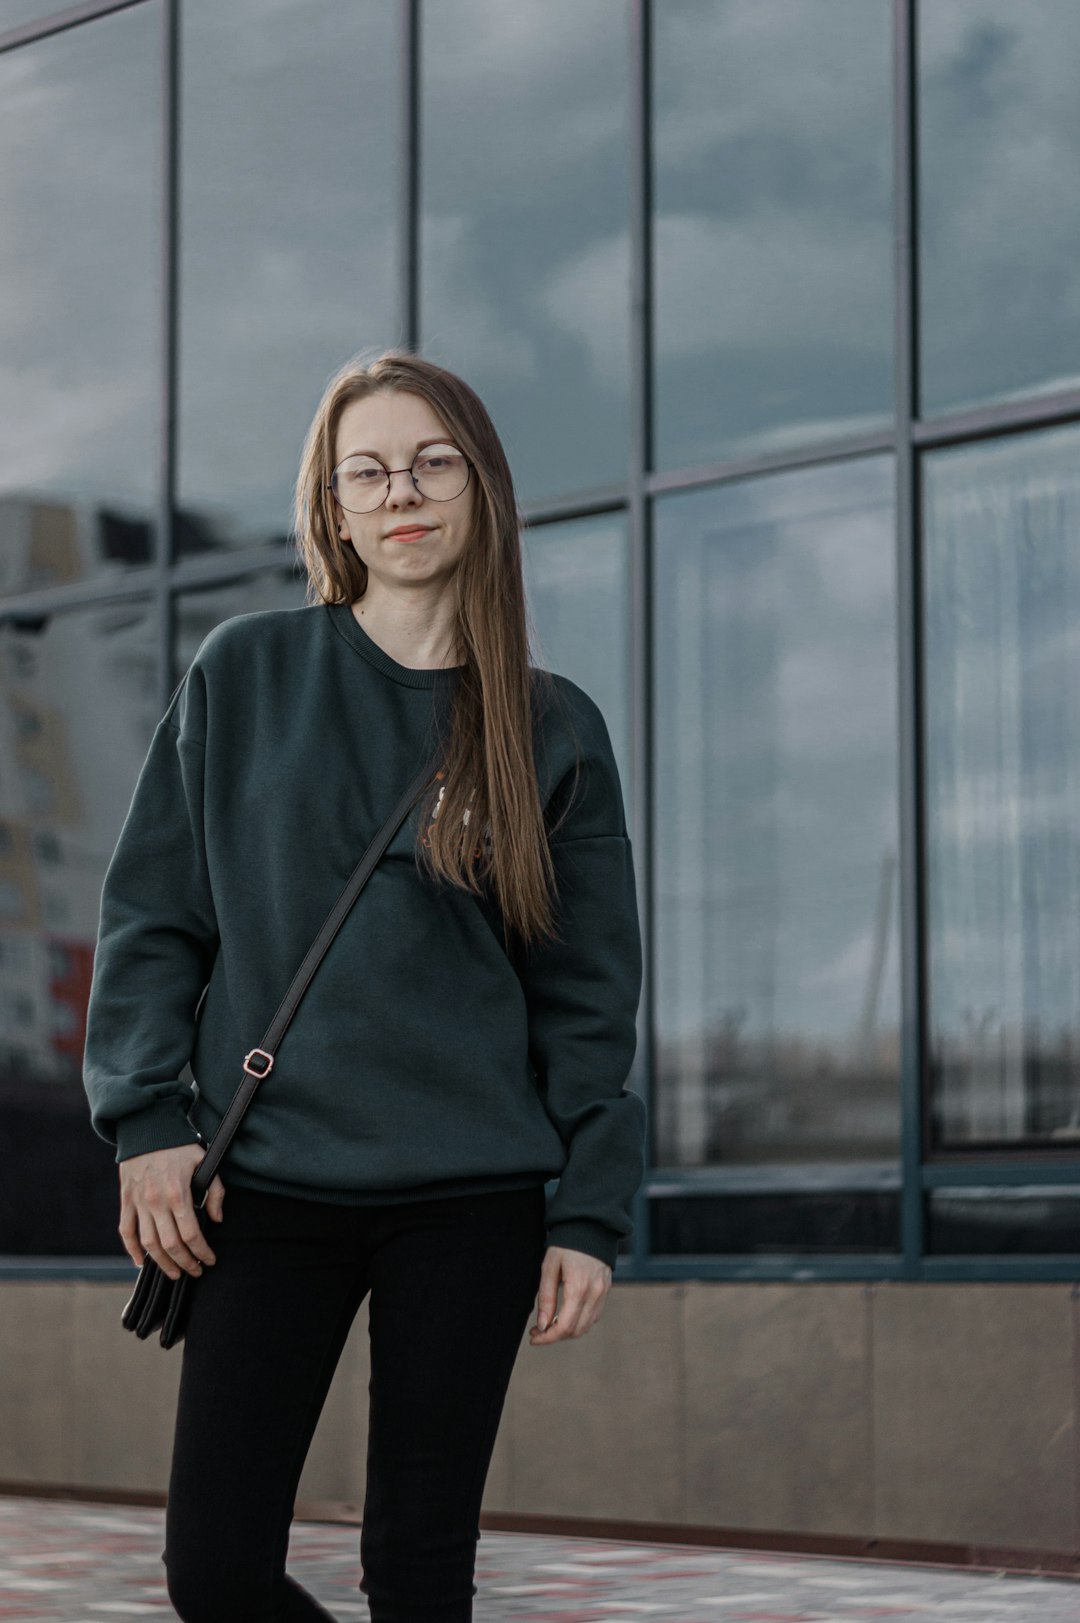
[389, 472]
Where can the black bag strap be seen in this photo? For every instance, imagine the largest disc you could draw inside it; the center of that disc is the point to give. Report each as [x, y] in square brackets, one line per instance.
[259, 1061]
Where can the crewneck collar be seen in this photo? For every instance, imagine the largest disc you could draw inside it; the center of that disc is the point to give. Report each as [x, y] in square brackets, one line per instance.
[411, 676]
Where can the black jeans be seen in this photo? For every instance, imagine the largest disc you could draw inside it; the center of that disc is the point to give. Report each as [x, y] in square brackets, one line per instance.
[453, 1282]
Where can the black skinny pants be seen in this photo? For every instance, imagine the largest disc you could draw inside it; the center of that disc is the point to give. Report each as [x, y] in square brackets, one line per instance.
[452, 1284]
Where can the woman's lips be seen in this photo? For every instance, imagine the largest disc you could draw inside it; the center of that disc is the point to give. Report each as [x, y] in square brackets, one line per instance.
[408, 535]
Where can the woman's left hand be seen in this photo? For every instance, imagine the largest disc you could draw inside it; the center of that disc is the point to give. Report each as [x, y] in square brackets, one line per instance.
[585, 1281]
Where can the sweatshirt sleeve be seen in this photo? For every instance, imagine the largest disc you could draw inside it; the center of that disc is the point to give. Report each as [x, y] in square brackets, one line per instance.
[582, 994]
[157, 936]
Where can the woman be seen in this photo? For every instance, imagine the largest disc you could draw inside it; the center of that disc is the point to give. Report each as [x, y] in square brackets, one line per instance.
[466, 1039]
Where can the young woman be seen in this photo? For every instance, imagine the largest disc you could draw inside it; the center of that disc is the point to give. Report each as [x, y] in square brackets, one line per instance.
[466, 1039]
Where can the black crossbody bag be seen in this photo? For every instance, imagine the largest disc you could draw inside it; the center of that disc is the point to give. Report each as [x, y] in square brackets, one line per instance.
[157, 1299]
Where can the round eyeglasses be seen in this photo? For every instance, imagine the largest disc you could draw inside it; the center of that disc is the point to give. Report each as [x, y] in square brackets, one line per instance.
[361, 483]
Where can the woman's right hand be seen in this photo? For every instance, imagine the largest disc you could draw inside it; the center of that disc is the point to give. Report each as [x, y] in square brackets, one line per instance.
[157, 1211]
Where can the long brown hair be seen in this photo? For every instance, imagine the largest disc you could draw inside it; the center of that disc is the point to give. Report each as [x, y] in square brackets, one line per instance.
[488, 778]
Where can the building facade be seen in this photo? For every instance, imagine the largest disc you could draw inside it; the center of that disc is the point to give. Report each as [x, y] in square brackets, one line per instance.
[775, 306]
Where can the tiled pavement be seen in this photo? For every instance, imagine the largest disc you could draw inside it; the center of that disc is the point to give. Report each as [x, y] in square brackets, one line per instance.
[68, 1561]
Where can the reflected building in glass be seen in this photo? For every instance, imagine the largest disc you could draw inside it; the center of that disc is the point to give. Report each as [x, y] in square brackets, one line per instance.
[774, 308]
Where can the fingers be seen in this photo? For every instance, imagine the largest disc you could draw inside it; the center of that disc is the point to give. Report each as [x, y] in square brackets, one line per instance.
[158, 1216]
[548, 1293]
[585, 1283]
[570, 1320]
[129, 1234]
[215, 1199]
[168, 1238]
[154, 1246]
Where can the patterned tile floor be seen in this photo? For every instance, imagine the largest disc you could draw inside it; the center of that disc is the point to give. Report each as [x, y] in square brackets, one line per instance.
[78, 1562]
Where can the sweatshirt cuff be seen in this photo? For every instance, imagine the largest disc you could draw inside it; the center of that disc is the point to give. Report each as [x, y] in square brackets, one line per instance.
[584, 1234]
[158, 1127]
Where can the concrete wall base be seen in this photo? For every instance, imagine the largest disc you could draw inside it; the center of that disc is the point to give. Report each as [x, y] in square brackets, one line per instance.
[886, 1416]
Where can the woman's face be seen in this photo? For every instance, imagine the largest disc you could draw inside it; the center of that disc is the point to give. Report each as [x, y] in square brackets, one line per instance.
[390, 425]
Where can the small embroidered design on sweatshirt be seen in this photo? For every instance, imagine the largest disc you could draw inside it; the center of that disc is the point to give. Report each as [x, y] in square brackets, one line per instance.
[465, 818]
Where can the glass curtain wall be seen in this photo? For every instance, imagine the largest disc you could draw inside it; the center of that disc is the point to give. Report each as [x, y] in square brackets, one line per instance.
[772, 307]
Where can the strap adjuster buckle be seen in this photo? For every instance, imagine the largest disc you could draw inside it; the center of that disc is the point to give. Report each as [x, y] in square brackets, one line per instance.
[250, 1069]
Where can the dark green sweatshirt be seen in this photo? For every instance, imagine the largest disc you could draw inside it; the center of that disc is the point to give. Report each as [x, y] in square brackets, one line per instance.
[423, 1059]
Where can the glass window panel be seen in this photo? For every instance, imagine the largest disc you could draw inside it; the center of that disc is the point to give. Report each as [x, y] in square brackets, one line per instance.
[776, 968]
[773, 226]
[577, 576]
[79, 700]
[288, 238]
[828, 1221]
[14, 13]
[80, 128]
[1003, 1221]
[999, 272]
[196, 613]
[524, 249]
[1002, 612]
